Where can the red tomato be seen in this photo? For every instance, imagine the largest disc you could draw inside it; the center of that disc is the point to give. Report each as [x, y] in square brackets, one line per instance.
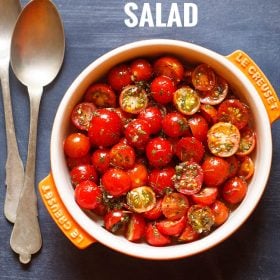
[206, 196]
[188, 177]
[133, 99]
[203, 77]
[175, 124]
[172, 228]
[141, 70]
[233, 166]
[154, 237]
[156, 212]
[105, 129]
[116, 182]
[101, 95]
[135, 228]
[234, 190]
[137, 133]
[115, 220]
[124, 116]
[119, 77]
[73, 162]
[170, 67]
[88, 195]
[189, 149]
[153, 116]
[82, 114]
[235, 112]
[83, 172]
[159, 152]
[161, 180]
[162, 89]
[247, 168]
[247, 142]
[188, 234]
[221, 212]
[216, 171]
[76, 145]
[199, 127]
[174, 206]
[209, 112]
[122, 156]
[138, 175]
[101, 160]
[201, 218]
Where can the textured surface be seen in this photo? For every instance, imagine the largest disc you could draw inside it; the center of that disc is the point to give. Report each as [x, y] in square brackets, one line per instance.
[93, 28]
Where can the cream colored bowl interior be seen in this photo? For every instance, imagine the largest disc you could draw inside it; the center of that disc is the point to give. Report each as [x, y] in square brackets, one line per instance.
[189, 53]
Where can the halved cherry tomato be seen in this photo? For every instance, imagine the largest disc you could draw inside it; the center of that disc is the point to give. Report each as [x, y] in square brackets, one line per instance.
[221, 212]
[138, 175]
[188, 177]
[133, 99]
[156, 212]
[234, 190]
[88, 195]
[162, 89]
[141, 199]
[188, 234]
[209, 112]
[201, 218]
[206, 196]
[116, 182]
[76, 145]
[153, 116]
[119, 76]
[159, 152]
[122, 155]
[101, 95]
[247, 142]
[189, 149]
[170, 67]
[186, 100]
[105, 129]
[235, 112]
[233, 166]
[247, 168]
[154, 237]
[82, 114]
[83, 172]
[115, 220]
[141, 70]
[135, 228]
[170, 227]
[223, 139]
[216, 171]
[175, 124]
[199, 127]
[174, 206]
[101, 160]
[203, 77]
[217, 94]
[161, 180]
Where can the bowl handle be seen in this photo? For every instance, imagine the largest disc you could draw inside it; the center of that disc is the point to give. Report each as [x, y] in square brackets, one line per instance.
[260, 82]
[61, 216]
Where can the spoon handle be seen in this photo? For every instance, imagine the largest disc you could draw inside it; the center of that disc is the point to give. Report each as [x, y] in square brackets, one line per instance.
[26, 235]
[14, 166]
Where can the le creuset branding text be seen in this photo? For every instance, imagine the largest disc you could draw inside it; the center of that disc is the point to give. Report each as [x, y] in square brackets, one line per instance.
[155, 15]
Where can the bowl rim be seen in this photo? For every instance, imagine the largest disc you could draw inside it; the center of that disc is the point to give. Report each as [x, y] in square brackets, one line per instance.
[181, 250]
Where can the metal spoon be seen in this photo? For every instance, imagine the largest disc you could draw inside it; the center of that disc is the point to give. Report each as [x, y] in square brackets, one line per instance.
[9, 11]
[37, 52]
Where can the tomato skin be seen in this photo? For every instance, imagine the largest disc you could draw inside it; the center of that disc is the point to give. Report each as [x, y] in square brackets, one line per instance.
[101, 95]
[153, 116]
[83, 172]
[119, 77]
[247, 168]
[234, 190]
[115, 220]
[247, 142]
[88, 195]
[156, 212]
[141, 70]
[199, 127]
[73, 162]
[76, 145]
[135, 228]
[188, 234]
[138, 175]
[170, 227]
[154, 237]
[203, 77]
[159, 152]
[216, 171]
[233, 166]
[189, 149]
[162, 89]
[221, 212]
[161, 180]
[206, 196]
[105, 129]
[116, 182]
[175, 124]
[209, 112]
[101, 160]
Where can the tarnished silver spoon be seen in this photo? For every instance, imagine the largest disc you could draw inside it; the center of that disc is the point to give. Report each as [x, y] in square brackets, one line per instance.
[37, 52]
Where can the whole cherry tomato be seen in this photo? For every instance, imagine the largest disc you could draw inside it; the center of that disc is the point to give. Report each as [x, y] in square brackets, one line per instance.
[115, 220]
[199, 127]
[170, 227]
[83, 172]
[101, 160]
[141, 70]
[233, 166]
[76, 145]
[153, 116]
[234, 190]
[203, 77]
[119, 77]
[221, 212]
[135, 227]
[138, 175]
[73, 162]
[154, 237]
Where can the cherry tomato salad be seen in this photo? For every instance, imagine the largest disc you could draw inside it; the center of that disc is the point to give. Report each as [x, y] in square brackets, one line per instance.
[161, 151]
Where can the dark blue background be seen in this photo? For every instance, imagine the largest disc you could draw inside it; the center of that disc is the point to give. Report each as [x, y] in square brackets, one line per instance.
[92, 28]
